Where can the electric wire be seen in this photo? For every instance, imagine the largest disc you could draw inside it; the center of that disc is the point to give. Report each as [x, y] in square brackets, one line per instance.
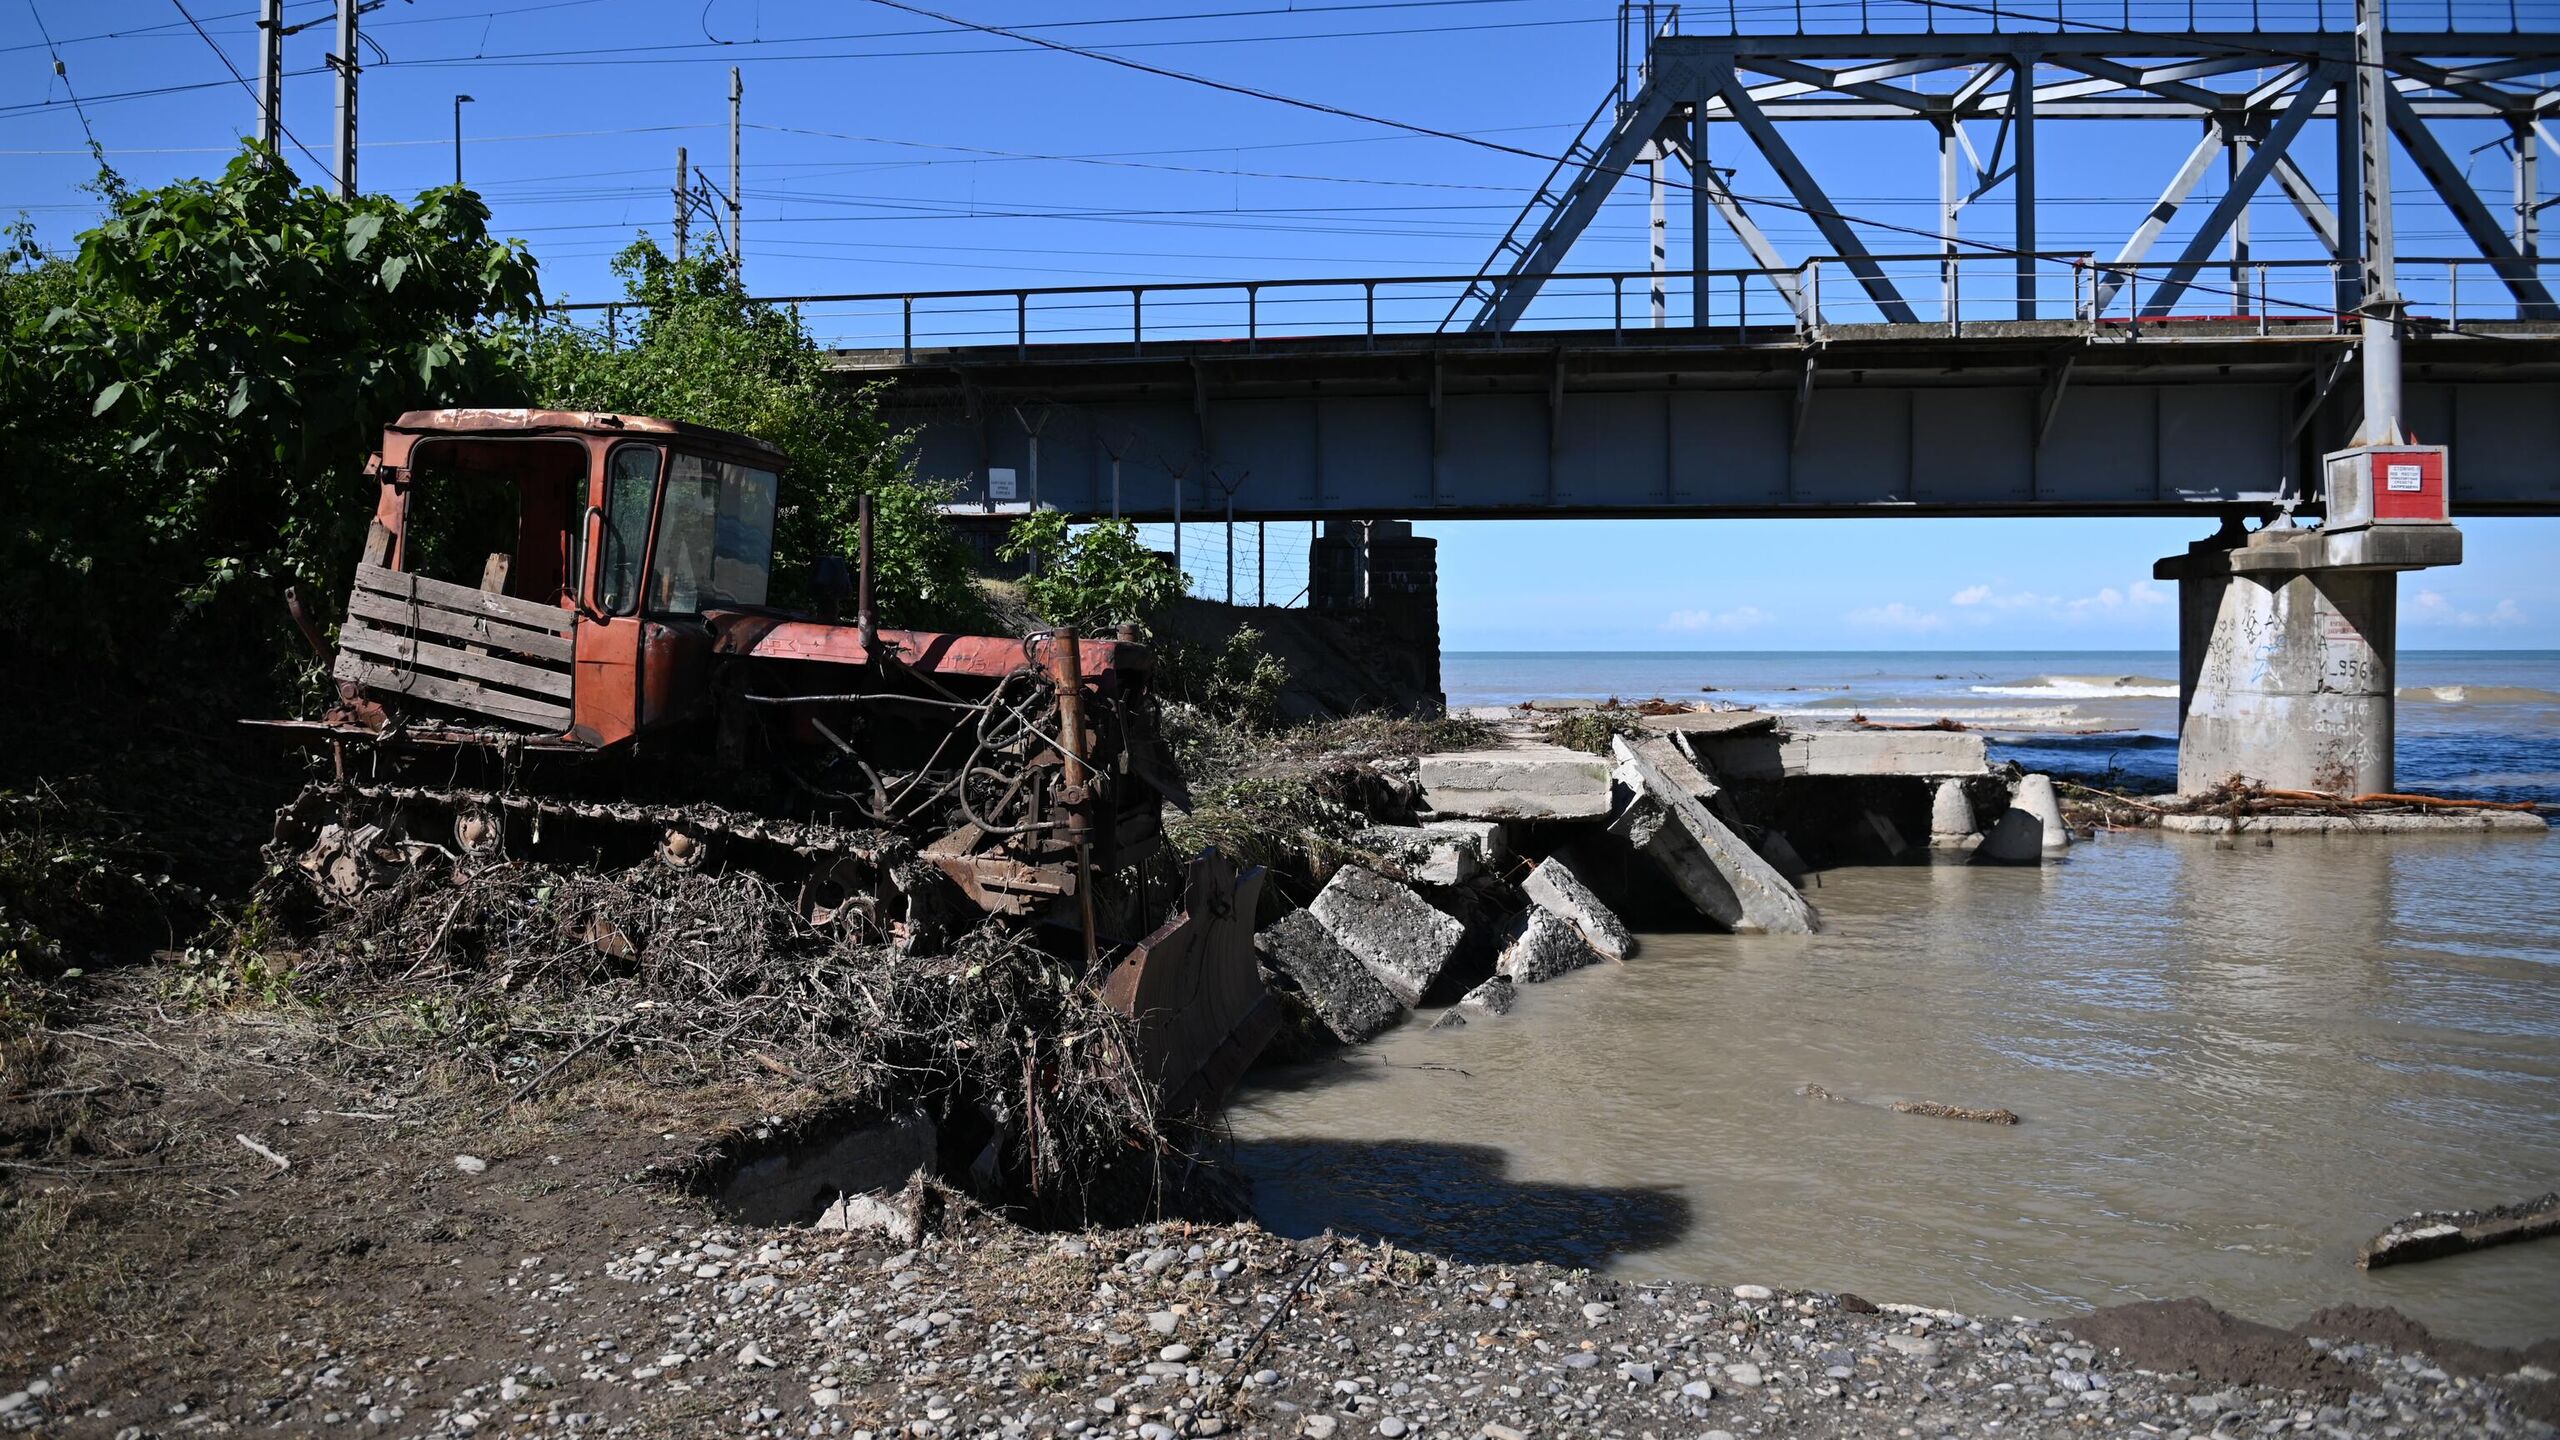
[254, 97]
[1984, 248]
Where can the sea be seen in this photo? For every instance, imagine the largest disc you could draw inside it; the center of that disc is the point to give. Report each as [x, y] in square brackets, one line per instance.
[2233, 1063]
[2480, 724]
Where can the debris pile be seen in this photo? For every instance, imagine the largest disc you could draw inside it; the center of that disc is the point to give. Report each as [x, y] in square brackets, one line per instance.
[686, 978]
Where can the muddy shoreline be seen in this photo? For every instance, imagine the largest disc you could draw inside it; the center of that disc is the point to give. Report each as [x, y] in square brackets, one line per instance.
[174, 1280]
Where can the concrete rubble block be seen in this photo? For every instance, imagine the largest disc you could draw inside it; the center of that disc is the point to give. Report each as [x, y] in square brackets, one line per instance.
[1528, 782]
[1494, 997]
[1404, 942]
[1492, 839]
[1542, 946]
[2016, 838]
[1349, 1001]
[2035, 796]
[1723, 877]
[1429, 857]
[1951, 822]
[791, 1187]
[1554, 888]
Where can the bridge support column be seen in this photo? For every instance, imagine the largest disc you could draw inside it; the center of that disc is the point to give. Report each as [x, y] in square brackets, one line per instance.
[2287, 647]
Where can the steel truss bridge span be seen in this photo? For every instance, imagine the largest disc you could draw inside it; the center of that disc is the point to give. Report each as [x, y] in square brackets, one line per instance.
[2102, 416]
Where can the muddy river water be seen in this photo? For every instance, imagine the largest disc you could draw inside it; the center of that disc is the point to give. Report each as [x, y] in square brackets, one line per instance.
[2233, 1067]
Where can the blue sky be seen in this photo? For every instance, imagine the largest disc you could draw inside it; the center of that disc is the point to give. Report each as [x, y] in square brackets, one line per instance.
[886, 152]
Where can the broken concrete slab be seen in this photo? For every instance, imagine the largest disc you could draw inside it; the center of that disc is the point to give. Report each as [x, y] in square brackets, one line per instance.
[2432, 1233]
[1708, 722]
[1723, 877]
[2035, 796]
[1676, 767]
[1428, 856]
[1348, 1001]
[1554, 888]
[1781, 755]
[1492, 839]
[1542, 946]
[1404, 942]
[1494, 997]
[1527, 782]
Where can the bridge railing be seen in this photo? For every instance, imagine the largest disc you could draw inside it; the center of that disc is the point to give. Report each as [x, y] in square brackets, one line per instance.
[1958, 295]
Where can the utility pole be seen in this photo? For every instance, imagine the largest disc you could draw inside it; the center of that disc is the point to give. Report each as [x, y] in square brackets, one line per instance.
[737, 194]
[345, 61]
[684, 204]
[271, 74]
[458, 102]
[2380, 303]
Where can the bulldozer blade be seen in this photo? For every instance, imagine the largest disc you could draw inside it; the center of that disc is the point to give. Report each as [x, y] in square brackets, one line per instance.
[1194, 990]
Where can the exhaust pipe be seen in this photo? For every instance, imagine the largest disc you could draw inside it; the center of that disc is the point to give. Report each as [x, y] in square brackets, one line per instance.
[863, 611]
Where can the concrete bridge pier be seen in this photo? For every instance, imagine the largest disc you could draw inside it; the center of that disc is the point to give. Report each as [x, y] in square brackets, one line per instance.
[2287, 650]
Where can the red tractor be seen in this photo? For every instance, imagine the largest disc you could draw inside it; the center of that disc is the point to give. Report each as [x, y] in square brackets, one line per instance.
[558, 644]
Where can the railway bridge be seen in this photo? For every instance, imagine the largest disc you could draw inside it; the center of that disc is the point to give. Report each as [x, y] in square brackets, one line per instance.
[2352, 403]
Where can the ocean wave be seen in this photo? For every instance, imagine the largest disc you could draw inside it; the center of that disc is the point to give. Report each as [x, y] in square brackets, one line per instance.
[1979, 717]
[2088, 687]
[2479, 694]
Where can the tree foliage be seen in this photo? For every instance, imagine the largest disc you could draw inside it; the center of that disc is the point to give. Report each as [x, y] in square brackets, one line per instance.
[691, 346]
[188, 403]
[1093, 578]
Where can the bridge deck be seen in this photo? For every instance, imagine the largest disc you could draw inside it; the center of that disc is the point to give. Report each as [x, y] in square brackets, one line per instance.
[2187, 416]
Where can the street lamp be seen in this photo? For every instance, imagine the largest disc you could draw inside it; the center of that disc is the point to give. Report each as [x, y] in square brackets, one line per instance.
[458, 102]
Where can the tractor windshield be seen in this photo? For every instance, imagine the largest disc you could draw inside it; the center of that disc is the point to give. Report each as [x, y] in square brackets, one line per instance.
[715, 536]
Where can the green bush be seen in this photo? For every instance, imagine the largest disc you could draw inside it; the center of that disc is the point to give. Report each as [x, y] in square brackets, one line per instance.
[187, 405]
[1095, 578]
[695, 348]
[1239, 682]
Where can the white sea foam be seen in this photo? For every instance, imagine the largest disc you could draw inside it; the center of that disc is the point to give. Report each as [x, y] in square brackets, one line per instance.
[2479, 694]
[2087, 687]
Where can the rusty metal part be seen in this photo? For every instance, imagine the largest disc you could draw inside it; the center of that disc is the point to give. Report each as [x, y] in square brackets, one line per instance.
[929, 652]
[867, 620]
[301, 614]
[1064, 658]
[1193, 989]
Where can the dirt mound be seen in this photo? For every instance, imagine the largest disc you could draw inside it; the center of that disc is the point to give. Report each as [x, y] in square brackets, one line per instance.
[2391, 1330]
[2221, 1349]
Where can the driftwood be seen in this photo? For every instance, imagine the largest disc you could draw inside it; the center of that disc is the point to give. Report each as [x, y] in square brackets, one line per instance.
[1956, 1112]
[2433, 1234]
[1929, 1108]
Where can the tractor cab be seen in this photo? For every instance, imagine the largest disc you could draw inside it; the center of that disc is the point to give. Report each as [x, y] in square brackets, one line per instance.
[549, 571]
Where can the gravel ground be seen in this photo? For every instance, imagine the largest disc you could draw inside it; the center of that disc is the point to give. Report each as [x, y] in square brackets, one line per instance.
[1191, 1330]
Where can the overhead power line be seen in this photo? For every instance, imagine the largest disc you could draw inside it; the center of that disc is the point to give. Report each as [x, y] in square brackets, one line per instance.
[62, 74]
[1934, 237]
[244, 83]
